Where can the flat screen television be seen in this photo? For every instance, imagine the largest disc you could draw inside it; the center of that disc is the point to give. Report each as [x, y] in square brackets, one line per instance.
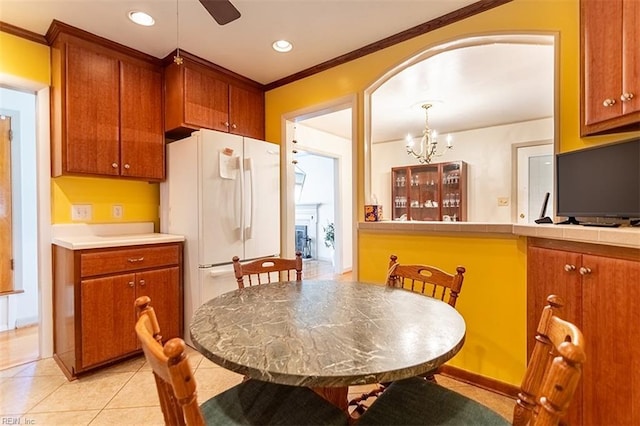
[599, 182]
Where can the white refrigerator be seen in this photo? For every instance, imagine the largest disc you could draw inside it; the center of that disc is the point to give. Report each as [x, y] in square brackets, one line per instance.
[222, 192]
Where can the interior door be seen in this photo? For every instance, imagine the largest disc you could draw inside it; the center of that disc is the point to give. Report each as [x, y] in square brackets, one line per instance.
[535, 179]
[6, 243]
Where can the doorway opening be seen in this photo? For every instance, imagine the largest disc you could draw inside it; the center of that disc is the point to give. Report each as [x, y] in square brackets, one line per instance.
[316, 208]
[19, 302]
[317, 184]
[534, 168]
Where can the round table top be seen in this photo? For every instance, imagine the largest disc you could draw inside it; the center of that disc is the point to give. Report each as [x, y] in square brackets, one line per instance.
[327, 333]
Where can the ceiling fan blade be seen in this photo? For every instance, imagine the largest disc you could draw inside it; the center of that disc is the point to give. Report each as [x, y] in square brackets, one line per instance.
[221, 10]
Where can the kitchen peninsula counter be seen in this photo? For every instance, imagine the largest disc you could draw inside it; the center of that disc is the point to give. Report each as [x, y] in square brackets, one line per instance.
[623, 236]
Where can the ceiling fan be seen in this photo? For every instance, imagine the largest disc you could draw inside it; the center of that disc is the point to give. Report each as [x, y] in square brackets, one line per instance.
[221, 10]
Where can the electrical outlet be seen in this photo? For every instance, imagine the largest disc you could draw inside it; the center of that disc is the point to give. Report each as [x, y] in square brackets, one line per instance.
[503, 201]
[81, 212]
[117, 211]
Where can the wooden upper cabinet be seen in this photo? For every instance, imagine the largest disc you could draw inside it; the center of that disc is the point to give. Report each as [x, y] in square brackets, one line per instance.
[610, 73]
[198, 96]
[106, 108]
[91, 115]
[244, 116]
[205, 101]
[141, 134]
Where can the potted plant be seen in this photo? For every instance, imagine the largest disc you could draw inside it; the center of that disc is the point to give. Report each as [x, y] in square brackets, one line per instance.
[329, 235]
[330, 239]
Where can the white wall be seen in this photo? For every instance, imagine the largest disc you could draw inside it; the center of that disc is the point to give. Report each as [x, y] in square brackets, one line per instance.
[22, 309]
[318, 189]
[334, 146]
[488, 153]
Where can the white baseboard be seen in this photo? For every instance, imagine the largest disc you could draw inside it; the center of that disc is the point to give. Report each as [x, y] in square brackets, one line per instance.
[26, 322]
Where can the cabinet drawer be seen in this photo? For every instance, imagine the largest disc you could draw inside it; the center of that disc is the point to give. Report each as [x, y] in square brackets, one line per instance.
[122, 260]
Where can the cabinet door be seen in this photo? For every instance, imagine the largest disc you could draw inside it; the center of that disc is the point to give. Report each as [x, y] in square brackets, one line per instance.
[551, 272]
[141, 134]
[454, 177]
[163, 287]
[206, 101]
[246, 112]
[631, 57]
[611, 375]
[107, 319]
[554, 272]
[602, 27]
[424, 188]
[92, 113]
[399, 193]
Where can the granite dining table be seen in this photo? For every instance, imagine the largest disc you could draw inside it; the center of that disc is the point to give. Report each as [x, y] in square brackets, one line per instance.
[327, 335]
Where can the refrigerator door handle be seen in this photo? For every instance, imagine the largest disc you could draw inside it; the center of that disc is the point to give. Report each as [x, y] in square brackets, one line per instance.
[248, 166]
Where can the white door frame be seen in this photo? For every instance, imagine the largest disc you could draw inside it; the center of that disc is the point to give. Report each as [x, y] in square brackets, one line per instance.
[43, 170]
[287, 206]
[521, 174]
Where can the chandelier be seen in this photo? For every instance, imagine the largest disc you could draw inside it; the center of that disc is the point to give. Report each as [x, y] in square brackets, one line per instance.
[428, 143]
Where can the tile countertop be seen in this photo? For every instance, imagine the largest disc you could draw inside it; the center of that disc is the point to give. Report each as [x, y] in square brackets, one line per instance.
[88, 236]
[623, 236]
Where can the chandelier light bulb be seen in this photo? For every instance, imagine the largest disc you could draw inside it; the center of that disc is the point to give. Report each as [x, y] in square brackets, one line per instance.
[409, 140]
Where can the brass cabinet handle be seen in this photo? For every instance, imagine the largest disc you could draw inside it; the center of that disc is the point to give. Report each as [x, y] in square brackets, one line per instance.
[627, 96]
[142, 283]
[127, 166]
[131, 284]
[114, 165]
[569, 267]
[135, 260]
[608, 102]
[584, 271]
[226, 123]
[234, 126]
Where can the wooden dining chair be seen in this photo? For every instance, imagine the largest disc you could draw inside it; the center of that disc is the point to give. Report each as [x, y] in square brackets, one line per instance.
[425, 279]
[547, 388]
[251, 402]
[266, 270]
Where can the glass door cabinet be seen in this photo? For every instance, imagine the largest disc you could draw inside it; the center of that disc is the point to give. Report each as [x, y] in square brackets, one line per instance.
[430, 192]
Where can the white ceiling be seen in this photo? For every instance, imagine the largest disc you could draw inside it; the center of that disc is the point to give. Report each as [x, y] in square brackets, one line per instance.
[488, 81]
[476, 87]
[320, 30]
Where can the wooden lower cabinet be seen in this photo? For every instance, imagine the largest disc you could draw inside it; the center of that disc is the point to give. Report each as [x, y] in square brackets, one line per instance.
[94, 295]
[600, 286]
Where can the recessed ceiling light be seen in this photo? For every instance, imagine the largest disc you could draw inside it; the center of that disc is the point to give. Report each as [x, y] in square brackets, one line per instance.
[141, 18]
[282, 46]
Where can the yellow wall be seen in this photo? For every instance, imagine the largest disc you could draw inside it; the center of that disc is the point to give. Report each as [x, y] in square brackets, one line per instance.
[30, 61]
[140, 200]
[493, 299]
[25, 59]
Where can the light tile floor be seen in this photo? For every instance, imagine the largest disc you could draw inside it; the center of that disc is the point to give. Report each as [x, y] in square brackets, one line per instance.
[38, 393]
